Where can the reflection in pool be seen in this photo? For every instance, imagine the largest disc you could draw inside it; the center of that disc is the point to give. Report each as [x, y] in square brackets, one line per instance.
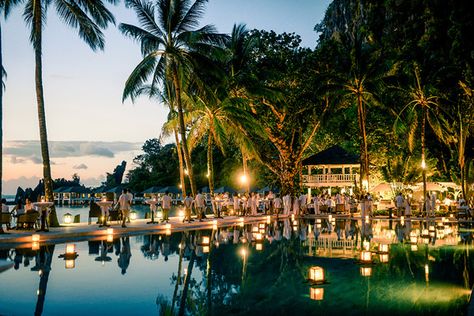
[299, 267]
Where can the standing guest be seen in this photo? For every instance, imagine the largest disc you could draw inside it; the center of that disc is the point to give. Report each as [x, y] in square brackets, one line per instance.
[399, 203]
[407, 206]
[286, 204]
[277, 204]
[18, 210]
[329, 203]
[433, 202]
[347, 204]
[5, 210]
[428, 204]
[296, 206]
[166, 205]
[188, 205]
[236, 203]
[124, 203]
[338, 198]
[253, 204]
[124, 256]
[316, 201]
[270, 199]
[303, 200]
[199, 204]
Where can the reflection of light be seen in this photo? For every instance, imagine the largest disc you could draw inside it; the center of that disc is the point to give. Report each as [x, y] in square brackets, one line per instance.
[168, 232]
[35, 237]
[316, 274]
[423, 164]
[258, 236]
[366, 271]
[268, 219]
[67, 218]
[383, 248]
[168, 226]
[35, 246]
[414, 247]
[259, 247]
[316, 294]
[205, 249]
[185, 271]
[427, 272]
[383, 257]
[205, 240]
[186, 172]
[110, 238]
[243, 178]
[70, 264]
[243, 252]
[110, 231]
[133, 215]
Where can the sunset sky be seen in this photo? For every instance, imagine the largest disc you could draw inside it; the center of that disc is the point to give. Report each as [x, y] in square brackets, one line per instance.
[89, 129]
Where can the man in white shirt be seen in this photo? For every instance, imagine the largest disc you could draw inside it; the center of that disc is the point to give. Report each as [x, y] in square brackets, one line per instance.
[166, 205]
[399, 202]
[303, 199]
[188, 205]
[236, 202]
[199, 203]
[277, 204]
[124, 203]
[286, 204]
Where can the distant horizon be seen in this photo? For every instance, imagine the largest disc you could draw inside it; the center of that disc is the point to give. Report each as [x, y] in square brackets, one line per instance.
[83, 89]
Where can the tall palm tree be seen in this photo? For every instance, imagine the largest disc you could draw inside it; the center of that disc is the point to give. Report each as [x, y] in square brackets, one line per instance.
[5, 7]
[89, 17]
[172, 47]
[423, 108]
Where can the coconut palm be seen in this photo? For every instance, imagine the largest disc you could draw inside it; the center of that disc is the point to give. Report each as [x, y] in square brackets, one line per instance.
[422, 108]
[88, 17]
[5, 7]
[173, 48]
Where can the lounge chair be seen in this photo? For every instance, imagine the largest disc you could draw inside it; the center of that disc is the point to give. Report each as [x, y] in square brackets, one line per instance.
[94, 211]
[5, 219]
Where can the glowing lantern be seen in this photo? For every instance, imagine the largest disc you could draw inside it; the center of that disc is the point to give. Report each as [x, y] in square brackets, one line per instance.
[110, 231]
[243, 252]
[366, 218]
[214, 222]
[205, 240]
[318, 221]
[133, 215]
[259, 246]
[261, 226]
[425, 232]
[205, 249]
[292, 217]
[67, 218]
[168, 226]
[414, 247]
[35, 238]
[316, 274]
[295, 223]
[366, 271]
[268, 219]
[254, 229]
[316, 294]
[366, 256]
[70, 249]
[383, 248]
[330, 218]
[426, 240]
[110, 238]
[258, 236]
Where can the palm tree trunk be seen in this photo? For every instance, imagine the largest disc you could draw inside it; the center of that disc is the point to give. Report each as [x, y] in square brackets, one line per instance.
[210, 165]
[423, 161]
[364, 163]
[48, 182]
[181, 164]
[178, 277]
[1, 113]
[182, 131]
[245, 168]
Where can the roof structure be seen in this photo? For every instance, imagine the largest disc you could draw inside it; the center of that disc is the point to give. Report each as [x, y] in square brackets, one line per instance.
[152, 190]
[334, 155]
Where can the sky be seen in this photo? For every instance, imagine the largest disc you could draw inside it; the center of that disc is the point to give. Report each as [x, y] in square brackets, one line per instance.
[90, 130]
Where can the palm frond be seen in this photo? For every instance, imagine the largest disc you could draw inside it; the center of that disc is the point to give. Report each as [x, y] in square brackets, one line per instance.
[190, 20]
[139, 76]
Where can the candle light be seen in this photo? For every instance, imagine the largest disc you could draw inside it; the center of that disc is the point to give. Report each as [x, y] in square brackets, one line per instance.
[259, 246]
[35, 237]
[35, 246]
[316, 274]
[366, 256]
[70, 249]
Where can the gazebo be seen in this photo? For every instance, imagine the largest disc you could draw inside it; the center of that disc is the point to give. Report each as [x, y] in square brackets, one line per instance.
[333, 167]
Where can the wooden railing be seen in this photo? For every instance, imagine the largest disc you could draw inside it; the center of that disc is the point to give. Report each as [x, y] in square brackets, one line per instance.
[329, 178]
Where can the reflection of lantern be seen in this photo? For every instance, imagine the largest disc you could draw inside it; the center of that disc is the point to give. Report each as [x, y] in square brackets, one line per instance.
[268, 219]
[292, 217]
[366, 218]
[383, 257]
[67, 218]
[383, 248]
[35, 237]
[261, 226]
[318, 221]
[258, 236]
[70, 263]
[133, 215]
[205, 249]
[316, 274]
[316, 294]
[254, 229]
[35, 246]
[427, 272]
[259, 246]
[295, 223]
[168, 232]
[110, 238]
[205, 240]
[366, 271]
[414, 247]
[365, 256]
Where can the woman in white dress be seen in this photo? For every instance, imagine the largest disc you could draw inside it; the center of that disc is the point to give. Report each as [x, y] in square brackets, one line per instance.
[316, 205]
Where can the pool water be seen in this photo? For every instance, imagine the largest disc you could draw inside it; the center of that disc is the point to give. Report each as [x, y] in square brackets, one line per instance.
[259, 269]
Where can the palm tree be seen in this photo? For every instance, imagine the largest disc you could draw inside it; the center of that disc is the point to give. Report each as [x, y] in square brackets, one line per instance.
[423, 108]
[89, 17]
[5, 7]
[173, 48]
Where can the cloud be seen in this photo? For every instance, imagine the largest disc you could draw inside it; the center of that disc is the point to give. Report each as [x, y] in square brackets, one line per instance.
[30, 150]
[81, 166]
[34, 159]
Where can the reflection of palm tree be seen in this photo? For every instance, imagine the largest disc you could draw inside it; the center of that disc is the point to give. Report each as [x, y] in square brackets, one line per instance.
[178, 275]
[43, 264]
[187, 280]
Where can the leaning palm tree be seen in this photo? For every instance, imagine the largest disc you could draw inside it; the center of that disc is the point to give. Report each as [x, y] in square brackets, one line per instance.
[173, 48]
[5, 7]
[89, 17]
[423, 107]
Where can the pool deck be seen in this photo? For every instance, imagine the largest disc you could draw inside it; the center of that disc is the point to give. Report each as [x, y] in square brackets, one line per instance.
[82, 231]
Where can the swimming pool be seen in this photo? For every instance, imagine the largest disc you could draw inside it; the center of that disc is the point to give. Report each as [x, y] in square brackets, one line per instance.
[254, 269]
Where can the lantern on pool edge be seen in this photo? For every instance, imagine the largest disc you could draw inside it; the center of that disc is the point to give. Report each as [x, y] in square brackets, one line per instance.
[67, 218]
[69, 256]
[35, 238]
[258, 246]
[383, 248]
[205, 240]
[366, 256]
[383, 257]
[316, 274]
[133, 215]
[316, 294]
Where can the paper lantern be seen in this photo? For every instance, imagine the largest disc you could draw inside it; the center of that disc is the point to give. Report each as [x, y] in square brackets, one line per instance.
[69, 263]
[67, 218]
[133, 215]
[383, 257]
[316, 274]
[316, 294]
[414, 247]
[366, 271]
[35, 238]
[35, 246]
[110, 231]
[258, 236]
[383, 248]
[70, 249]
[259, 246]
[366, 256]
[205, 240]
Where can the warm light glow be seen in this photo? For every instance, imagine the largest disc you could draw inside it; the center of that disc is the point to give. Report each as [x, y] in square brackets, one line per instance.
[35, 246]
[366, 218]
[414, 247]
[70, 249]
[365, 184]
[205, 249]
[110, 231]
[316, 274]
[35, 237]
[383, 257]
[186, 172]
[365, 256]
[423, 164]
[425, 232]
[261, 226]
[259, 247]
[168, 226]
[205, 240]
[258, 236]
[70, 263]
[383, 247]
[295, 223]
[104, 199]
[254, 229]
[133, 215]
[181, 214]
[268, 219]
[243, 179]
[243, 252]
[316, 294]
[292, 217]
[42, 199]
[330, 218]
[67, 219]
[214, 227]
[168, 232]
[366, 271]
[110, 238]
